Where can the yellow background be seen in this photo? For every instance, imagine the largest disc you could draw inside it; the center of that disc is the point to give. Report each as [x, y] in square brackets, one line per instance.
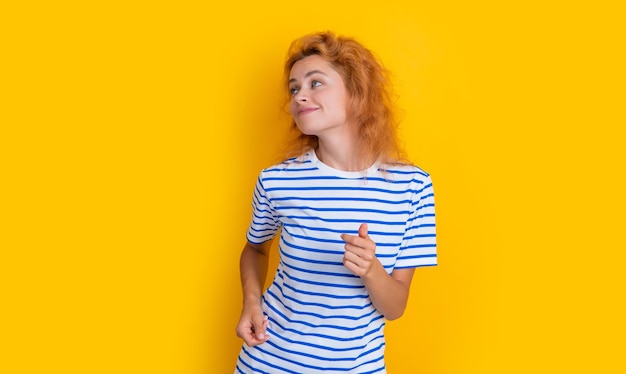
[132, 134]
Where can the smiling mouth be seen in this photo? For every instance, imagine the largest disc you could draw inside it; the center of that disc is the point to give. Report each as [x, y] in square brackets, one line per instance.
[306, 111]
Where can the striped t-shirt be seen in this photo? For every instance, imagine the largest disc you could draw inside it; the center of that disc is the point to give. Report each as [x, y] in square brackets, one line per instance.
[321, 318]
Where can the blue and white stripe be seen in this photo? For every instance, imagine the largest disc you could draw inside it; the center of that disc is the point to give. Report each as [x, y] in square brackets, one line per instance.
[320, 316]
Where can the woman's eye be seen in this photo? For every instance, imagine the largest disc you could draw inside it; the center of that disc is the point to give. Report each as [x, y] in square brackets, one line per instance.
[293, 90]
[316, 84]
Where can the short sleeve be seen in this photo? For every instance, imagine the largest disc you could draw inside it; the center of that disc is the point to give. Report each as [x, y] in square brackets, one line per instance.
[264, 223]
[419, 245]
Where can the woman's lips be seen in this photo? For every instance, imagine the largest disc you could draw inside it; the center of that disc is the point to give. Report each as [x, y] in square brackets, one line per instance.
[304, 111]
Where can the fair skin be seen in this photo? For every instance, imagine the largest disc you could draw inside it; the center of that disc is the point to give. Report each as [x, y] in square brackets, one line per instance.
[319, 101]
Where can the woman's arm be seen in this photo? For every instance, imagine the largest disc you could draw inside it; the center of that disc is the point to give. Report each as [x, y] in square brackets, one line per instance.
[253, 269]
[389, 293]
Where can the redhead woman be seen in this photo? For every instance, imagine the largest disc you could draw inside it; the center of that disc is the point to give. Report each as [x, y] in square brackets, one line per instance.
[354, 219]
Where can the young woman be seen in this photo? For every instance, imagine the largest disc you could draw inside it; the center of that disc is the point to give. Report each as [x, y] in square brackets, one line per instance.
[355, 222]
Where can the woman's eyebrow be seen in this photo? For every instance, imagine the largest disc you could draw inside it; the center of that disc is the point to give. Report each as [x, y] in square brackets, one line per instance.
[308, 75]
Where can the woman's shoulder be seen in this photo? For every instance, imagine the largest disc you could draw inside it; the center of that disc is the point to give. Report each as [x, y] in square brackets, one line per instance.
[299, 163]
[398, 169]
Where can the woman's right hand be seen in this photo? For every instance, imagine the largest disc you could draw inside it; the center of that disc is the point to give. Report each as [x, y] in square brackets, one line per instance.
[252, 326]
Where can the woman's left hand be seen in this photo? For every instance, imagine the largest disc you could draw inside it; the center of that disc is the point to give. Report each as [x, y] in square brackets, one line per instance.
[360, 256]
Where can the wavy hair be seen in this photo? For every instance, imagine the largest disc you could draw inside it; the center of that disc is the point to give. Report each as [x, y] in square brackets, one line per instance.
[370, 95]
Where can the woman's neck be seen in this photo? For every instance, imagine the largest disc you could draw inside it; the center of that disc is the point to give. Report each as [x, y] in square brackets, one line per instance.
[342, 155]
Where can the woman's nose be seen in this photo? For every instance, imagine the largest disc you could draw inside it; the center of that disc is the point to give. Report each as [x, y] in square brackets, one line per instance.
[301, 96]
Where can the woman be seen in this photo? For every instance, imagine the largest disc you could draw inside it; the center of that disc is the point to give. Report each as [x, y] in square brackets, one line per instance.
[355, 222]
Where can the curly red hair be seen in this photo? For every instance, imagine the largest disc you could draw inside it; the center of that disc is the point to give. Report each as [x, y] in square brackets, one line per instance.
[368, 86]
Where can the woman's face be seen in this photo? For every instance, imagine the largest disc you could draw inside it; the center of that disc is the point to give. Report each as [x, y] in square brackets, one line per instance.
[319, 97]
